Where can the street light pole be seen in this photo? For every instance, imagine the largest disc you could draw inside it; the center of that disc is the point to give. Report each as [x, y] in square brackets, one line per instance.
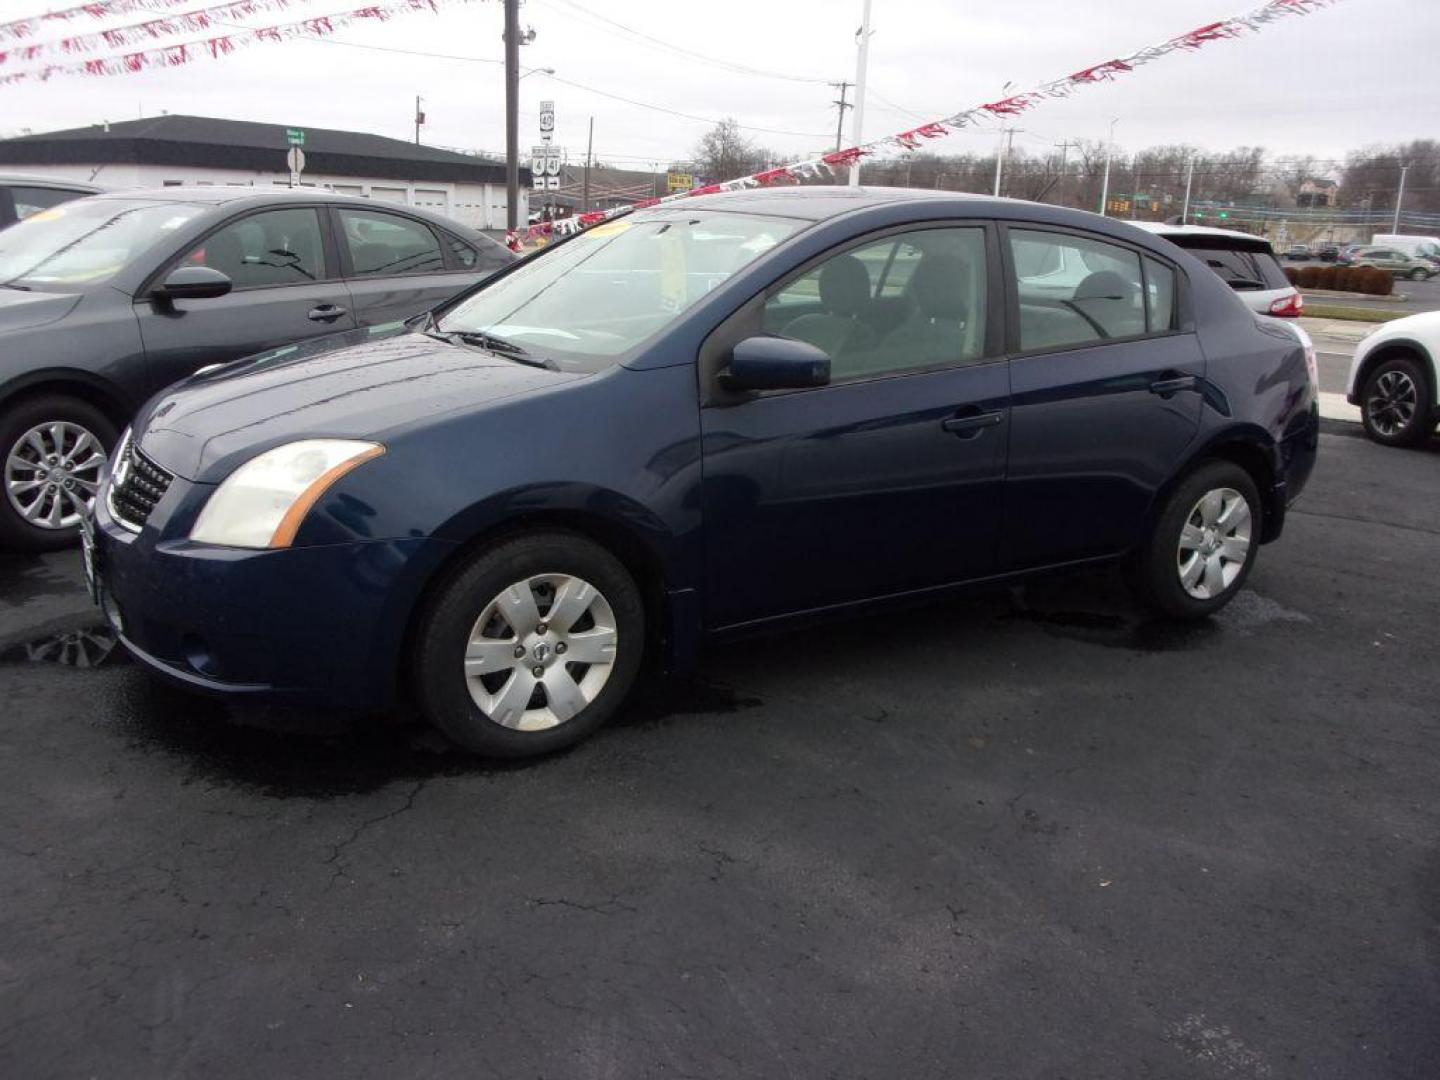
[1109, 153]
[857, 128]
[1400, 198]
[1007, 139]
[1189, 179]
[512, 114]
[589, 151]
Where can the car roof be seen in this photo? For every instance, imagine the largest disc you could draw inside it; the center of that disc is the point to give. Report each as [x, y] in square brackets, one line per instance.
[1164, 228]
[817, 202]
[30, 180]
[252, 197]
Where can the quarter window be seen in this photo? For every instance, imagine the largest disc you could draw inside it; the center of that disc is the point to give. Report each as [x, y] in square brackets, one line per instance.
[1076, 291]
[381, 244]
[904, 303]
[1159, 296]
[277, 247]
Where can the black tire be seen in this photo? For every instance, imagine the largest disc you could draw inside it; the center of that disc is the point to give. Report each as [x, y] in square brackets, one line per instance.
[1418, 275]
[441, 686]
[1388, 387]
[15, 531]
[1156, 573]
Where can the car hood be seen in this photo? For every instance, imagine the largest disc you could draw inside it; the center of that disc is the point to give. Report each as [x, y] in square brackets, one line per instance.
[22, 310]
[359, 384]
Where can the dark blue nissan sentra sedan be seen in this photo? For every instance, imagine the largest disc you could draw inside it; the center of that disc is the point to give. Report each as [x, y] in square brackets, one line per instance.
[700, 419]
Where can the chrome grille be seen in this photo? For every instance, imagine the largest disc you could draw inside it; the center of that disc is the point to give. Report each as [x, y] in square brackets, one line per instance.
[136, 486]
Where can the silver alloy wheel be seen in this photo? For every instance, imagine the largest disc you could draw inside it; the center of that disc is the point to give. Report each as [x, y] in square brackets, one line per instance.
[1214, 543]
[52, 473]
[1391, 407]
[540, 652]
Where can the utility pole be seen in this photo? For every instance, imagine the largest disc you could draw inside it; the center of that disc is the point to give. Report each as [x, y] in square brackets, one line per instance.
[1189, 179]
[1400, 198]
[419, 119]
[1109, 153]
[841, 105]
[1007, 140]
[1135, 184]
[857, 130]
[512, 114]
[1060, 180]
[589, 153]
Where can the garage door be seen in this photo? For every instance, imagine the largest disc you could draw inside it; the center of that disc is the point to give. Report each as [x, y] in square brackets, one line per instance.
[432, 199]
[389, 194]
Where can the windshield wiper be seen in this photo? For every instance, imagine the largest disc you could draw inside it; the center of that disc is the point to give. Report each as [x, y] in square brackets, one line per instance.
[493, 343]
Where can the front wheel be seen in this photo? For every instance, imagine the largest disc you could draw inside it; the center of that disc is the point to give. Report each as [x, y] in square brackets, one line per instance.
[1394, 405]
[1204, 543]
[530, 646]
[55, 453]
[1418, 275]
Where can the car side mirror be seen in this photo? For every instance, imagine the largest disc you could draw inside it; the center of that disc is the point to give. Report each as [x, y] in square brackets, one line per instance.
[776, 363]
[193, 283]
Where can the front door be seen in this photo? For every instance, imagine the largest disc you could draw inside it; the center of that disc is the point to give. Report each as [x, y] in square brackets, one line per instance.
[886, 481]
[1106, 391]
[397, 265]
[286, 289]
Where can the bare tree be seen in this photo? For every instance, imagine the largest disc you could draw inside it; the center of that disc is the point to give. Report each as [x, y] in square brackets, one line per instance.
[723, 153]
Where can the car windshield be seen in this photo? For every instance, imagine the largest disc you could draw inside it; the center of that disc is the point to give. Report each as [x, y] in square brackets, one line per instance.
[599, 295]
[85, 242]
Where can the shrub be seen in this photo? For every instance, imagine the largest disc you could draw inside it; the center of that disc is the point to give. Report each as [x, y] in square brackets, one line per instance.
[1345, 279]
[1375, 282]
[1292, 275]
[1309, 277]
[1327, 278]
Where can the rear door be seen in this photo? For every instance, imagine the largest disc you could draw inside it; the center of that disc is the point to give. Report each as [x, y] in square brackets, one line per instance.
[1105, 395]
[286, 288]
[398, 265]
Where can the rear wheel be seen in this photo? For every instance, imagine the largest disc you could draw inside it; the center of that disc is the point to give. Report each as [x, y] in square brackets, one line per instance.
[1418, 275]
[1204, 543]
[1395, 405]
[530, 646]
[55, 452]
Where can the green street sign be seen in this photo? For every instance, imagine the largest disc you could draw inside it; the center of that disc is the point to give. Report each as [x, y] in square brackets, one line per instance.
[295, 137]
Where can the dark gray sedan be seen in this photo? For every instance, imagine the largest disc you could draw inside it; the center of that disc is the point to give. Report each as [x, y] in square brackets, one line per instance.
[107, 299]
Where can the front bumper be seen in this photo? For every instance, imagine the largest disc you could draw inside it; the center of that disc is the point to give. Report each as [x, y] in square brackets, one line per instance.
[319, 625]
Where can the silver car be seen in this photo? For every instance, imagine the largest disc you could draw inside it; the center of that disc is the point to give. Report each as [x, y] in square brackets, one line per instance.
[1246, 263]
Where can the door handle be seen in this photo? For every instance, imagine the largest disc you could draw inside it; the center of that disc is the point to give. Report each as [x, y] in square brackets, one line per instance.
[325, 313]
[1166, 387]
[967, 427]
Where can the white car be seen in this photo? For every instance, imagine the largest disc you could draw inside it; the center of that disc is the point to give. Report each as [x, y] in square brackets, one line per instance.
[1246, 263]
[1393, 380]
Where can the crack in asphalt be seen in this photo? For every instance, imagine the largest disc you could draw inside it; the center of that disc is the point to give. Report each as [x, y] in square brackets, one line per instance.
[333, 859]
[1367, 521]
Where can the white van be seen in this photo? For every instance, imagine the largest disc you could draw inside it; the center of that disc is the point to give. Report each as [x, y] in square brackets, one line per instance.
[1414, 246]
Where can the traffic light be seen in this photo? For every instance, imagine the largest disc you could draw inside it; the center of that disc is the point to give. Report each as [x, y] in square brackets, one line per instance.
[1224, 214]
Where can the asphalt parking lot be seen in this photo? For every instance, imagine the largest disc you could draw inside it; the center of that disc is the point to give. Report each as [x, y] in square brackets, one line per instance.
[1034, 835]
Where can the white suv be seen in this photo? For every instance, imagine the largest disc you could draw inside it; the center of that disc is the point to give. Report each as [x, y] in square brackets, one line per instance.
[1393, 380]
[1246, 263]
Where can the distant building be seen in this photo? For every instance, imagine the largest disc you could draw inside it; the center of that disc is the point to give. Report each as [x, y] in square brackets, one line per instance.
[198, 150]
[1317, 193]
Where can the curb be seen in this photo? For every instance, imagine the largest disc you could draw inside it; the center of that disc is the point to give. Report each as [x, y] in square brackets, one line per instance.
[1334, 407]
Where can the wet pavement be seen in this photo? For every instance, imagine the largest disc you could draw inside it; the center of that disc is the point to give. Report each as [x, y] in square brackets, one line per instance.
[1031, 835]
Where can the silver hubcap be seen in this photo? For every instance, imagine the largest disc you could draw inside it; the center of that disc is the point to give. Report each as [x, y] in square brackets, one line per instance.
[1393, 403]
[52, 473]
[1214, 543]
[540, 652]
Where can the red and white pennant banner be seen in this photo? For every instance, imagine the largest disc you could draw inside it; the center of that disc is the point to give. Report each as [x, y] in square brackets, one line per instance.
[117, 37]
[168, 56]
[20, 29]
[825, 165]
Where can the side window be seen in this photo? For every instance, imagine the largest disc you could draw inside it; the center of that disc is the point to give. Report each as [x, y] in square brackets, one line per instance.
[381, 244]
[904, 303]
[276, 247]
[464, 254]
[30, 200]
[1159, 296]
[1075, 291]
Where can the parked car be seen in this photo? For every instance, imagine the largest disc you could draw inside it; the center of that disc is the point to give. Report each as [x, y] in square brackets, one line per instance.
[1347, 253]
[107, 299]
[1397, 263]
[24, 196]
[736, 413]
[1298, 252]
[1394, 380]
[1246, 263]
[1328, 252]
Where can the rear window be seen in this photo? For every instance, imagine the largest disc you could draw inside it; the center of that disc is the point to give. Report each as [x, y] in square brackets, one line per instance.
[1243, 265]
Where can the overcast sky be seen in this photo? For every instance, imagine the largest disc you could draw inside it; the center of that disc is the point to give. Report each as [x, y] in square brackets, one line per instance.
[1360, 72]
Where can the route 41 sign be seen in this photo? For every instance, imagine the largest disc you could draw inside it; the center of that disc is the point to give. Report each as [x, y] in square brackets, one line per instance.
[545, 166]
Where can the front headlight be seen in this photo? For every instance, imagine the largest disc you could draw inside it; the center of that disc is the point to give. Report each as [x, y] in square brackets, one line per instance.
[261, 504]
